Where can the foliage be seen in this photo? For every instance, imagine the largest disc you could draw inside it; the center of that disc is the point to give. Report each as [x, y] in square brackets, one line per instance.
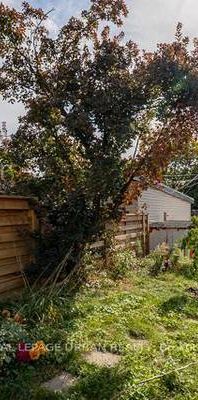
[160, 258]
[89, 95]
[191, 242]
[138, 248]
[182, 173]
[116, 262]
[150, 321]
[122, 262]
[11, 334]
[176, 259]
[195, 222]
[182, 263]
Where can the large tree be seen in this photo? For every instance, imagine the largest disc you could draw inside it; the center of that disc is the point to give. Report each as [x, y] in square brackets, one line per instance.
[90, 96]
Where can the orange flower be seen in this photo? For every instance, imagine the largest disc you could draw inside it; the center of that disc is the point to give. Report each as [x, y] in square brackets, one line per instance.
[41, 346]
[38, 350]
[34, 354]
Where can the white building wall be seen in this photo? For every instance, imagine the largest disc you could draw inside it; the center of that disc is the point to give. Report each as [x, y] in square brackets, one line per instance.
[169, 236]
[157, 204]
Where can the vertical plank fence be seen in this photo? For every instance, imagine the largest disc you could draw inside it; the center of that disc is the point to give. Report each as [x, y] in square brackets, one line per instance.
[17, 222]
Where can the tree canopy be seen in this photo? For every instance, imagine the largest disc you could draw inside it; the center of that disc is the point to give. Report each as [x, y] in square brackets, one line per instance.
[90, 97]
[182, 172]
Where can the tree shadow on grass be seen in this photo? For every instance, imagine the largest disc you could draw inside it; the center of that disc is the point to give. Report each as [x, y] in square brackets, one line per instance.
[105, 383]
[175, 304]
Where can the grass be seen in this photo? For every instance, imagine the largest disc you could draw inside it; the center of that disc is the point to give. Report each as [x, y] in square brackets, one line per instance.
[111, 315]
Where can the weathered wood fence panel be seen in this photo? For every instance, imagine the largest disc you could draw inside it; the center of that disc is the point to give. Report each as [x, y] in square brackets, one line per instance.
[17, 222]
[131, 228]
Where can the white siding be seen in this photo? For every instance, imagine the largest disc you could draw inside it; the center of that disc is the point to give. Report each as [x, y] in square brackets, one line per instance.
[169, 236]
[157, 203]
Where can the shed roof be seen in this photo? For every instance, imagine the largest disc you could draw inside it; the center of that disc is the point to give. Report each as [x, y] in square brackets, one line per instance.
[174, 193]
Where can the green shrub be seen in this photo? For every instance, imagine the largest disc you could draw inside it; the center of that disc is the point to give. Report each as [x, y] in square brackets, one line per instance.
[182, 263]
[11, 334]
[145, 265]
[138, 248]
[122, 262]
[195, 222]
[190, 242]
[175, 256]
[119, 262]
[186, 267]
[159, 259]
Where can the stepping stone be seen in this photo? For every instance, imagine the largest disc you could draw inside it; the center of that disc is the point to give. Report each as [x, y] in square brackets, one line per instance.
[138, 344]
[102, 359]
[60, 383]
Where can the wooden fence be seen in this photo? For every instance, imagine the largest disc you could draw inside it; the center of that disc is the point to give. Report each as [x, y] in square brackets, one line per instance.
[17, 222]
[132, 227]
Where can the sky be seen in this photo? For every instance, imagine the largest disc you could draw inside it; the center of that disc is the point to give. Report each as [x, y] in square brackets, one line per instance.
[149, 22]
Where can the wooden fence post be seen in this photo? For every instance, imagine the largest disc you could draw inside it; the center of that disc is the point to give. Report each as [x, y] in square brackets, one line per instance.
[147, 234]
[144, 234]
